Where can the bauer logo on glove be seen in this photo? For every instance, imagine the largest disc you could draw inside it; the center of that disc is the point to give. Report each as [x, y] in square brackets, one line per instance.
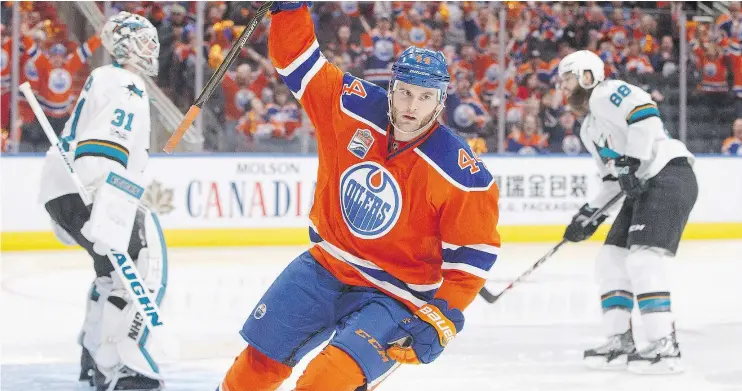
[421, 339]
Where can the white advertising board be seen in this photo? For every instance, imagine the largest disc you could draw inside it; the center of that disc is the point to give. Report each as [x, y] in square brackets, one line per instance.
[202, 192]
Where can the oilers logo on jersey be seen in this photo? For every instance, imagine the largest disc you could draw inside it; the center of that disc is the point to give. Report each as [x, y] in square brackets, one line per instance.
[30, 71]
[360, 143]
[370, 200]
[60, 80]
[463, 116]
[243, 97]
[709, 69]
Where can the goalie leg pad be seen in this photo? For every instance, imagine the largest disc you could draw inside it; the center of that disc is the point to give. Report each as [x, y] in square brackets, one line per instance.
[617, 298]
[115, 333]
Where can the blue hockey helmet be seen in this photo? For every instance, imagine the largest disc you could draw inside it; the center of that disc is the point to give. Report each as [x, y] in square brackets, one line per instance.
[421, 67]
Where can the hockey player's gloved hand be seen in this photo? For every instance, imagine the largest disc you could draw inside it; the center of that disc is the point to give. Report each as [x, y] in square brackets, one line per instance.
[279, 6]
[626, 169]
[421, 339]
[576, 232]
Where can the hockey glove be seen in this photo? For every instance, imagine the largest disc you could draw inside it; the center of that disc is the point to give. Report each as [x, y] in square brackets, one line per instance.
[421, 339]
[279, 6]
[576, 232]
[626, 169]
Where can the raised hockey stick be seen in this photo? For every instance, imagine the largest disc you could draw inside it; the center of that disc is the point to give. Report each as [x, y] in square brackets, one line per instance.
[216, 78]
[491, 298]
[121, 261]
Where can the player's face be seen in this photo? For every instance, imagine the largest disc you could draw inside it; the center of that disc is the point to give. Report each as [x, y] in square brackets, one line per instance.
[737, 127]
[568, 83]
[413, 106]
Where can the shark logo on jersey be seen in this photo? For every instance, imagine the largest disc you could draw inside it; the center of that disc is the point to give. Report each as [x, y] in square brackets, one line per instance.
[603, 146]
[361, 142]
[371, 200]
[134, 90]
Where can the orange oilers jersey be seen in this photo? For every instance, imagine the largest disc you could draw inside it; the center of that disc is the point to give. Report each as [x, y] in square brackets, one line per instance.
[713, 73]
[734, 52]
[29, 49]
[619, 36]
[236, 97]
[419, 223]
[732, 146]
[639, 64]
[55, 84]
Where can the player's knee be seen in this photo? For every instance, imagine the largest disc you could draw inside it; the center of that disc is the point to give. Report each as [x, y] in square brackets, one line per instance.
[254, 371]
[334, 370]
[611, 263]
[646, 266]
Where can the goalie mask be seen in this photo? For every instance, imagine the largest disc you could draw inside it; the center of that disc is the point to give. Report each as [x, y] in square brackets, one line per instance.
[132, 40]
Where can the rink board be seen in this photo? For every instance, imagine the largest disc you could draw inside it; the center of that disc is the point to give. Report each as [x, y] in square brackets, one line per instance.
[251, 200]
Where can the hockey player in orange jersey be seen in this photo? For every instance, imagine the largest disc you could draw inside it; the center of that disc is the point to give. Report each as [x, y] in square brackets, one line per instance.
[404, 226]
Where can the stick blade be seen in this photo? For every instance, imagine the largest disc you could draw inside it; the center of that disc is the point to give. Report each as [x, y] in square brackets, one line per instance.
[174, 139]
[488, 296]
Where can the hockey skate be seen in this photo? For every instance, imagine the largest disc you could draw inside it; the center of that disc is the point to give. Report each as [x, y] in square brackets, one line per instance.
[613, 354]
[86, 366]
[125, 379]
[659, 357]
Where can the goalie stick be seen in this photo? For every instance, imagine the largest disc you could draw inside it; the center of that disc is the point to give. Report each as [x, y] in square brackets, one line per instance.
[122, 263]
[491, 298]
[216, 78]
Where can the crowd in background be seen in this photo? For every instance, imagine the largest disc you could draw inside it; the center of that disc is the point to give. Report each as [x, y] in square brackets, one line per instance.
[639, 43]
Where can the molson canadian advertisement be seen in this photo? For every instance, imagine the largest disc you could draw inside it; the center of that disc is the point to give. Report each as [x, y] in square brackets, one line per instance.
[265, 200]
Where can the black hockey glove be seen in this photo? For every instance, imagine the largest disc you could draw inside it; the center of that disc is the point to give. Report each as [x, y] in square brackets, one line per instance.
[576, 232]
[631, 185]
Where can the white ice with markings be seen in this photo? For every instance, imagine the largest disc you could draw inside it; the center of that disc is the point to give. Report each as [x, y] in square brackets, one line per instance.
[532, 339]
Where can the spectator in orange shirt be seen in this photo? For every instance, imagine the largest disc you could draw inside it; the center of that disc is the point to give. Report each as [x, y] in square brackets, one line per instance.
[416, 31]
[241, 89]
[436, 41]
[636, 61]
[618, 32]
[55, 93]
[711, 63]
[528, 139]
[733, 144]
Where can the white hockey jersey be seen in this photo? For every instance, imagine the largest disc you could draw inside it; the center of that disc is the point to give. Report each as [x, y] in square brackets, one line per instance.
[623, 120]
[108, 130]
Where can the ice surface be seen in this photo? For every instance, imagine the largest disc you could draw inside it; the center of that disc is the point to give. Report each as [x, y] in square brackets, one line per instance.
[532, 339]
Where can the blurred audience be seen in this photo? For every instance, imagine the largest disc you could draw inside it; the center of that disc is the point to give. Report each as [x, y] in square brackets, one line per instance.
[638, 41]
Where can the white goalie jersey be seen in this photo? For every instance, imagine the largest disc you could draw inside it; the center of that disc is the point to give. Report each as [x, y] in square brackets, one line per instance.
[624, 121]
[109, 130]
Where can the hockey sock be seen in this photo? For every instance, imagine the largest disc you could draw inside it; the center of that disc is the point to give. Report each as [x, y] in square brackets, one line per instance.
[617, 299]
[646, 265]
[254, 371]
[333, 369]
